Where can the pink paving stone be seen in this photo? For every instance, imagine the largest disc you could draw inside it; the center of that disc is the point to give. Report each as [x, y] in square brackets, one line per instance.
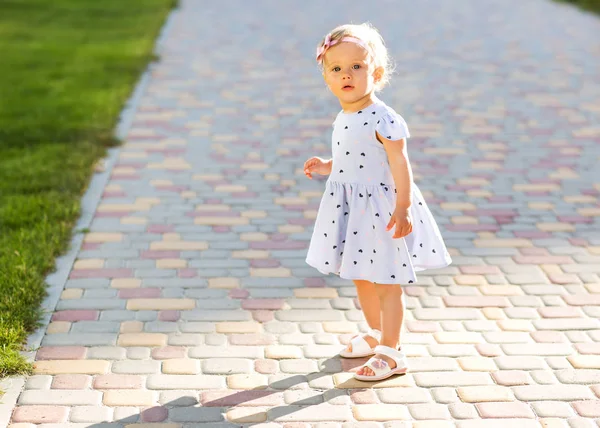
[559, 312]
[75, 315]
[540, 260]
[240, 398]
[71, 381]
[90, 245]
[532, 234]
[488, 350]
[587, 408]
[265, 366]
[548, 336]
[504, 220]
[251, 339]
[212, 201]
[534, 251]
[265, 263]
[118, 381]
[514, 409]
[423, 326]
[263, 316]
[592, 348]
[273, 245]
[580, 242]
[154, 414]
[414, 291]
[268, 304]
[363, 396]
[114, 194]
[160, 228]
[566, 278]
[61, 353]
[238, 293]
[168, 352]
[221, 229]
[169, 316]
[158, 254]
[102, 273]
[475, 301]
[575, 219]
[40, 414]
[125, 177]
[187, 273]
[314, 282]
[279, 236]
[511, 377]
[479, 270]
[582, 299]
[133, 293]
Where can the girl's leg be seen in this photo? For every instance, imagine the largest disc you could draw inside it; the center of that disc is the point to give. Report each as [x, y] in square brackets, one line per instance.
[370, 304]
[392, 314]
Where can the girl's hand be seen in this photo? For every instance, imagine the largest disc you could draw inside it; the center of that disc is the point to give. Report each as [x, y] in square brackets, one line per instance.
[318, 166]
[401, 218]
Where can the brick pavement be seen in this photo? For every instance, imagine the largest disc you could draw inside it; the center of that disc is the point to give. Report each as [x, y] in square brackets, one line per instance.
[190, 305]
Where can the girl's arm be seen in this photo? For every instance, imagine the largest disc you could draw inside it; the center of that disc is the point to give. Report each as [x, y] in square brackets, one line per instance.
[401, 170]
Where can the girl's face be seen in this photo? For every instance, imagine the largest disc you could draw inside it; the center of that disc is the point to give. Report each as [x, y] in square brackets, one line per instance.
[349, 72]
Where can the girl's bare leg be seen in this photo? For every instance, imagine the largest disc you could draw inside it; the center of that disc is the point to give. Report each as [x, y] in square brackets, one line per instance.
[392, 316]
[370, 304]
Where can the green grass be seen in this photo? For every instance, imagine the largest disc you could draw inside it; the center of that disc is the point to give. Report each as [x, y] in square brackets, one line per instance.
[591, 5]
[66, 69]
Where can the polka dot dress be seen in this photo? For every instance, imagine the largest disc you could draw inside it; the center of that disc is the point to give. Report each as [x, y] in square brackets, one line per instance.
[349, 237]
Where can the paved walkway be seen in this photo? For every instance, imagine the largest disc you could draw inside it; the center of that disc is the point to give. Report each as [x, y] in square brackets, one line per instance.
[190, 304]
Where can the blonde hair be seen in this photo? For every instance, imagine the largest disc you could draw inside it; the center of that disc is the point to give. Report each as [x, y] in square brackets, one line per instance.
[368, 34]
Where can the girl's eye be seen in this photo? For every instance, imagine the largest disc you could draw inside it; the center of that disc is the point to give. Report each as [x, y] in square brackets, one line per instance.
[356, 66]
[336, 69]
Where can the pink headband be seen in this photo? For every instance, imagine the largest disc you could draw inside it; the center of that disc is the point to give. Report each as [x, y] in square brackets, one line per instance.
[329, 43]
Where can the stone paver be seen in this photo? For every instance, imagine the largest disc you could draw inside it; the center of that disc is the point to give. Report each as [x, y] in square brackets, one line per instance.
[190, 304]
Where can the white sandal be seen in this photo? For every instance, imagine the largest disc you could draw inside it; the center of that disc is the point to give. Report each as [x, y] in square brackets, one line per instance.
[360, 347]
[381, 368]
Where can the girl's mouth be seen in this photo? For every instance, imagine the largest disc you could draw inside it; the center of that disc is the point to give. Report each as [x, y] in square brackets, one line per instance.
[347, 88]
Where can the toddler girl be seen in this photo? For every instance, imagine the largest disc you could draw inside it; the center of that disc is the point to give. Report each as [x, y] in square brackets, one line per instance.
[370, 191]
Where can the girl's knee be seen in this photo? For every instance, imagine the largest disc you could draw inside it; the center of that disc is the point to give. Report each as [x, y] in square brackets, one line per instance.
[387, 290]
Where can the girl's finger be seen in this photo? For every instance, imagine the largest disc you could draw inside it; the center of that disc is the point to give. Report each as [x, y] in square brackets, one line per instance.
[391, 223]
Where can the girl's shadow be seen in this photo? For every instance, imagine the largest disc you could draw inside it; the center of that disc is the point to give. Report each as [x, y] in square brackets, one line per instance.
[208, 411]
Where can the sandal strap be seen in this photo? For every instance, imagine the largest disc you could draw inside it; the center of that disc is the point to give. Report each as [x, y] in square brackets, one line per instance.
[359, 345]
[394, 354]
[377, 365]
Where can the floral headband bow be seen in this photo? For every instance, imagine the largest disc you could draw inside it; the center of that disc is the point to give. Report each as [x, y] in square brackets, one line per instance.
[329, 43]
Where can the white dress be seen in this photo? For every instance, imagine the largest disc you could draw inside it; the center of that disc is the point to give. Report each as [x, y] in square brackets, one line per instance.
[349, 237]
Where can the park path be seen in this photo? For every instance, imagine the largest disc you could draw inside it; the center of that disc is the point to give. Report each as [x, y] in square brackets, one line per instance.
[190, 304]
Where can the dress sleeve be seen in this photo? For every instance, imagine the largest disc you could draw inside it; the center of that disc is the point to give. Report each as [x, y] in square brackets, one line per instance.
[392, 126]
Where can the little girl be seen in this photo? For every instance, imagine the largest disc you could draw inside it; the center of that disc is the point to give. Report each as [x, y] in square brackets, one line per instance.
[369, 191]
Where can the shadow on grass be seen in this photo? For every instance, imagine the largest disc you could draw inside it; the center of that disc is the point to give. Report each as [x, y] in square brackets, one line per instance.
[249, 407]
